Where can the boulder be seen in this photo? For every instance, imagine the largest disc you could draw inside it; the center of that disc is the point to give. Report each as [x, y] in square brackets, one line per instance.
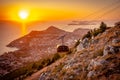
[85, 43]
[90, 74]
[117, 40]
[111, 50]
[97, 64]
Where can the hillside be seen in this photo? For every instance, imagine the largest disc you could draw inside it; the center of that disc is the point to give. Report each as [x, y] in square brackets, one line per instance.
[42, 43]
[100, 60]
[34, 48]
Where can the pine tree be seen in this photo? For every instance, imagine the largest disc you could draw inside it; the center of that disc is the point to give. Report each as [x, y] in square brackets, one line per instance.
[103, 27]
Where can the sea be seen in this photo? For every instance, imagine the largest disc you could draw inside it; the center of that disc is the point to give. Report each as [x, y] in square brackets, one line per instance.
[10, 30]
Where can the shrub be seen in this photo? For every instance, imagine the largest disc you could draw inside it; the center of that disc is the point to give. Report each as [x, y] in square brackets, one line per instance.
[88, 35]
[16, 73]
[40, 67]
[103, 26]
[29, 68]
[77, 43]
[55, 57]
[30, 73]
[95, 32]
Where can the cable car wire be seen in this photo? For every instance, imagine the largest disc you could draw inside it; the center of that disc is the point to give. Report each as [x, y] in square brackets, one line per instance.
[100, 10]
[109, 11]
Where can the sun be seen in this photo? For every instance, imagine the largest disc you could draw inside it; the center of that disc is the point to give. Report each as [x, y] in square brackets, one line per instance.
[23, 14]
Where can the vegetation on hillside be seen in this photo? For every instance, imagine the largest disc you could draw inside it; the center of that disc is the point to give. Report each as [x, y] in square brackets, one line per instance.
[95, 32]
[99, 61]
[87, 64]
[29, 68]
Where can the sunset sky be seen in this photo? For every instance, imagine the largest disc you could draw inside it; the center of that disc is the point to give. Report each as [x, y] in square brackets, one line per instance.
[48, 10]
[58, 13]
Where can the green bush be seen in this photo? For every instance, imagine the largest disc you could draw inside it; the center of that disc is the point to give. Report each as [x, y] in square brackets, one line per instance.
[88, 35]
[77, 43]
[55, 57]
[95, 32]
[103, 26]
[16, 73]
[40, 67]
[30, 73]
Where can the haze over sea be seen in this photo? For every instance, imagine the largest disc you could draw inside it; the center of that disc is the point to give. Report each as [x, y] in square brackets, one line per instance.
[10, 31]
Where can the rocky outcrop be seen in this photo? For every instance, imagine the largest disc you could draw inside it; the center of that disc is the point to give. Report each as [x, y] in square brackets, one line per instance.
[99, 61]
[111, 49]
[116, 40]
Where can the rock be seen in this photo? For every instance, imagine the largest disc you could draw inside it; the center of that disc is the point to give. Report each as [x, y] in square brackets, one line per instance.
[80, 47]
[99, 34]
[104, 62]
[91, 73]
[66, 67]
[114, 77]
[85, 43]
[71, 77]
[77, 71]
[106, 50]
[94, 41]
[43, 76]
[117, 40]
[117, 33]
[69, 64]
[97, 63]
[111, 50]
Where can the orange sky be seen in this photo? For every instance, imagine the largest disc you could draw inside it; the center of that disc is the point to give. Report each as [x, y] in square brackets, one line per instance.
[49, 10]
[41, 13]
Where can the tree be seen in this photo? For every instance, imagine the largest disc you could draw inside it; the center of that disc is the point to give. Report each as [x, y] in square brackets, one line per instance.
[95, 32]
[103, 27]
[88, 35]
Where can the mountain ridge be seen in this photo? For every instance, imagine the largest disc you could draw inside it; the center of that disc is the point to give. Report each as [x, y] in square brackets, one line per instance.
[34, 47]
[50, 30]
